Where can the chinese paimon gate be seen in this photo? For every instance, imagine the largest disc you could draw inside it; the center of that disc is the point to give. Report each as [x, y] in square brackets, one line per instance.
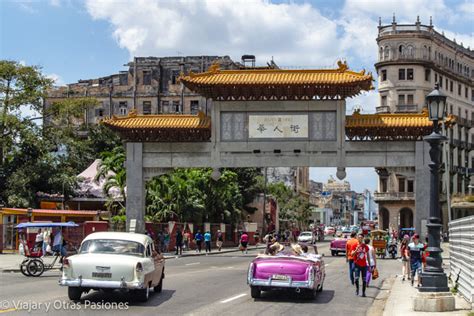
[273, 118]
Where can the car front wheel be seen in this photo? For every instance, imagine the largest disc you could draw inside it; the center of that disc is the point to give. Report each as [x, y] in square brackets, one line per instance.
[333, 253]
[74, 293]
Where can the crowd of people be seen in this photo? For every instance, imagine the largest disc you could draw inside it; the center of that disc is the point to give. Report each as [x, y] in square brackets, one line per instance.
[362, 260]
[47, 242]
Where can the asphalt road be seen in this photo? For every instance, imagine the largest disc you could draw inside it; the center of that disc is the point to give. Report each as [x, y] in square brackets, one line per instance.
[205, 285]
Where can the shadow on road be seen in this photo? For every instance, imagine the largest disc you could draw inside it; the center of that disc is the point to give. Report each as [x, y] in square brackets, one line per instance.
[282, 296]
[155, 299]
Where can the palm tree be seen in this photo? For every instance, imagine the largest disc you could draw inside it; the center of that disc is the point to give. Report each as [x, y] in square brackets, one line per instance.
[111, 168]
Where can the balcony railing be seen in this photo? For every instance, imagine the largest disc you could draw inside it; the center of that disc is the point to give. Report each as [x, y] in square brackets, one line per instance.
[407, 108]
[391, 196]
[382, 109]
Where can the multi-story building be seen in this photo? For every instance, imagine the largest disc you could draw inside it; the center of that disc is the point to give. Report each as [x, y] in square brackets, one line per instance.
[150, 85]
[412, 59]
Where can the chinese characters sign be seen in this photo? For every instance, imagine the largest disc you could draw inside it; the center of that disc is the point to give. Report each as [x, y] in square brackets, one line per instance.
[278, 126]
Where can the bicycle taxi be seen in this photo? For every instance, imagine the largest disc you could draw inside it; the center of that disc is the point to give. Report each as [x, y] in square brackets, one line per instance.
[379, 242]
[34, 264]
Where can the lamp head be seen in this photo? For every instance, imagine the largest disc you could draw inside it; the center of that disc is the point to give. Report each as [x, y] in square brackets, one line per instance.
[436, 102]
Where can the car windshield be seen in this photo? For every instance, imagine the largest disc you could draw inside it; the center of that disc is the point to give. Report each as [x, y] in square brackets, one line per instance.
[113, 246]
[305, 234]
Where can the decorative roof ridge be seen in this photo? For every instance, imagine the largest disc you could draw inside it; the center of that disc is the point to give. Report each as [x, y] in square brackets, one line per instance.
[131, 115]
[215, 69]
[374, 115]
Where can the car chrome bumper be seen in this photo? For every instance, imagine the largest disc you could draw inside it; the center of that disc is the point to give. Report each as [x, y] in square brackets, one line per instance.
[281, 284]
[338, 249]
[102, 284]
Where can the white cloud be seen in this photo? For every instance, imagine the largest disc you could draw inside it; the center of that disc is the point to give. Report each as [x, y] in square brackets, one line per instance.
[55, 3]
[58, 81]
[295, 34]
[465, 39]
[366, 102]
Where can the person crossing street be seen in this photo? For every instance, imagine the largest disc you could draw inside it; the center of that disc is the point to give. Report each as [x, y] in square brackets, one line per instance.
[351, 244]
[207, 241]
[359, 254]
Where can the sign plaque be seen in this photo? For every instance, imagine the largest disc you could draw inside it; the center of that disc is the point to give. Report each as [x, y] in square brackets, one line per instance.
[278, 126]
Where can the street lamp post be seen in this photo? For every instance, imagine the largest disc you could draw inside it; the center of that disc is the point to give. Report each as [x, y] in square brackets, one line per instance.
[433, 278]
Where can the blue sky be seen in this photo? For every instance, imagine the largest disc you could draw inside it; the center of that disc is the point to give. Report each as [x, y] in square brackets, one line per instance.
[74, 40]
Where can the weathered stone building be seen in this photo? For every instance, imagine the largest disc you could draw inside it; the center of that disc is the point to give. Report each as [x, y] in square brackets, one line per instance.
[150, 85]
[412, 58]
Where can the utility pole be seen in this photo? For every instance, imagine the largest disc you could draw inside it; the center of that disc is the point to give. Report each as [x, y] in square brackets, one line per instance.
[264, 201]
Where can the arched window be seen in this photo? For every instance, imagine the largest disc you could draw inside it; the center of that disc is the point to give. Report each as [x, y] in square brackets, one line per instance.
[410, 52]
[386, 53]
[401, 51]
[425, 52]
[429, 52]
[381, 53]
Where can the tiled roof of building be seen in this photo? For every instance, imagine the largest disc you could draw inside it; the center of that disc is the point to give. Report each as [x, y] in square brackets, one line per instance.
[390, 126]
[388, 120]
[162, 127]
[161, 121]
[260, 84]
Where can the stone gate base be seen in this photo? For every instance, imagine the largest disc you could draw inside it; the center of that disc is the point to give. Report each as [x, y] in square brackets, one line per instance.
[434, 302]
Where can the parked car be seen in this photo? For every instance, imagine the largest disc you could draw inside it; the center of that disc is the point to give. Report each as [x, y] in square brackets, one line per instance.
[307, 237]
[338, 245]
[296, 273]
[329, 230]
[346, 233]
[114, 261]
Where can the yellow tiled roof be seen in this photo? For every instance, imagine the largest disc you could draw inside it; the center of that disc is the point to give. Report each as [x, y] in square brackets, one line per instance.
[161, 121]
[341, 76]
[388, 120]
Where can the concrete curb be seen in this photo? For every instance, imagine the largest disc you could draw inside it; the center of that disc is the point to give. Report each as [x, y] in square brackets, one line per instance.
[193, 254]
[378, 306]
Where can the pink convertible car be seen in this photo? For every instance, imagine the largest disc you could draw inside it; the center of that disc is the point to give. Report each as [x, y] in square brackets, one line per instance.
[297, 273]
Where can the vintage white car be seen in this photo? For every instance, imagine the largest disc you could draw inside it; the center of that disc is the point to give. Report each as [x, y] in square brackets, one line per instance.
[114, 260]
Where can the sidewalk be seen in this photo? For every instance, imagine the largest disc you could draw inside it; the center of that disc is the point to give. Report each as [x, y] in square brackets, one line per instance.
[9, 262]
[396, 297]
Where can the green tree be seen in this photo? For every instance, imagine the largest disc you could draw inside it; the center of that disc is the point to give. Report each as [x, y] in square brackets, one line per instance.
[293, 207]
[112, 170]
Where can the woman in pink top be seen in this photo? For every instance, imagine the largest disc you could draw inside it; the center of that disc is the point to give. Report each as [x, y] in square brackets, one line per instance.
[244, 240]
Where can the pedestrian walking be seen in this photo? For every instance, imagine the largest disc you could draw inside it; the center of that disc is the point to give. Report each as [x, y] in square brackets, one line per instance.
[160, 238]
[256, 236]
[404, 253]
[166, 240]
[198, 238]
[371, 260]
[207, 241]
[186, 240]
[244, 240]
[39, 241]
[351, 244]
[219, 240]
[179, 242]
[359, 255]
[416, 251]
[46, 242]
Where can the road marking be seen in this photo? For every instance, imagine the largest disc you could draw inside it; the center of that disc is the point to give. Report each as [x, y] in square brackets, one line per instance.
[233, 298]
[192, 263]
[7, 310]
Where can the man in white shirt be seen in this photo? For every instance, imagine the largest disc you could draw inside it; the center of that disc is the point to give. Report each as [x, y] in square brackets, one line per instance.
[39, 239]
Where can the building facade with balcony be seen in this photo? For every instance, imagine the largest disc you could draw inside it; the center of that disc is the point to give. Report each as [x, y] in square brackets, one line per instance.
[412, 59]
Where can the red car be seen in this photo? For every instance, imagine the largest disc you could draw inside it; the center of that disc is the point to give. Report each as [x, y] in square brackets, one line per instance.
[338, 245]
